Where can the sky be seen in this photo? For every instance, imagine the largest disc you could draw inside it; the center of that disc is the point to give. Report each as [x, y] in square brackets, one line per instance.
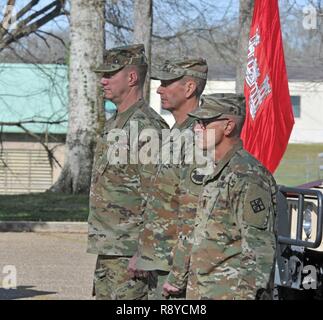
[42, 3]
[224, 8]
[221, 8]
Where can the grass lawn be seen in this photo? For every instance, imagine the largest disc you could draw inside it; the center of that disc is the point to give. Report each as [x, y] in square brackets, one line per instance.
[44, 207]
[300, 164]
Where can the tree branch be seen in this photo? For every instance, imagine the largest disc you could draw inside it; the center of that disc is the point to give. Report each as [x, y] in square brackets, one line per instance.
[53, 36]
[20, 123]
[50, 154]
[23, 29]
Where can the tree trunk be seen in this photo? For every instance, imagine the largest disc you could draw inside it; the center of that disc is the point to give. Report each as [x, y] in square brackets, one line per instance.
[85, 98]
[143, 20]
[245, 17]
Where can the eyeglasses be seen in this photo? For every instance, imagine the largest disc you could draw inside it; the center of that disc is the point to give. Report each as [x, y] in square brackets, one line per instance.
[205, 122]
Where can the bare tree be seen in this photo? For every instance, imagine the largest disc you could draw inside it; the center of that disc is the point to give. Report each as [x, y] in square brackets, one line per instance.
[38, 137]
[35, 50]
[245, 16]
[16, 25]
[85, 96]
[143, 21]
[191, 29]
[28, 20]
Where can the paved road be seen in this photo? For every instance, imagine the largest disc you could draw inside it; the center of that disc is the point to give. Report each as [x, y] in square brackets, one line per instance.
[49, 266]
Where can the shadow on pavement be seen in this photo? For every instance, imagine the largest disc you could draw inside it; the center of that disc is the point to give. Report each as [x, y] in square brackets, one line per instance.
[21, 292]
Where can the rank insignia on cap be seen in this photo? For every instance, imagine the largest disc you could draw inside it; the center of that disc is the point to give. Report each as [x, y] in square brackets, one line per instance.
[196, 177]
[257, 205]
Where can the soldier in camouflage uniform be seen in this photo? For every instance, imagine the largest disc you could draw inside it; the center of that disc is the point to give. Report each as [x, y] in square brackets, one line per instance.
[174, 192]
[230, 253]
[117, 196]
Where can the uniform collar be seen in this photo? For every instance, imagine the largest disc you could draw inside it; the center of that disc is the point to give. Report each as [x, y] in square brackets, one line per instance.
[122, 117]
[185, 125]
[224, 161]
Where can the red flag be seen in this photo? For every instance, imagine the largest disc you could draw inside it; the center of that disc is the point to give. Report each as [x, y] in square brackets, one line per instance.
[269, 116]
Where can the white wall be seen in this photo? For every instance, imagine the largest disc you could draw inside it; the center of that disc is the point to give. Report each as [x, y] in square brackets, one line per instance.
[307, 129]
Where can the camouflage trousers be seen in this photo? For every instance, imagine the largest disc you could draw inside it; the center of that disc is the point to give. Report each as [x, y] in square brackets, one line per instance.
[211, 287]
[112, 281]
[156, 280]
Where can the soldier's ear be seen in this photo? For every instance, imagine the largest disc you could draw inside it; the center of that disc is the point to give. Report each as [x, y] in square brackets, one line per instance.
[190, 87]
[230, 127]
[133, 77]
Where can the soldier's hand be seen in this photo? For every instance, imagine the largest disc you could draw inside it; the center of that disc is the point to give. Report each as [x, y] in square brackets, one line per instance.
[168, 289]
[133, 271]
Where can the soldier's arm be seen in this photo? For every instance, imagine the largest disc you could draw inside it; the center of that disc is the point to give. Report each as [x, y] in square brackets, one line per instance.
[181, 260]
[254, 207]
[149, 152]
[188, 200]
[146, 170]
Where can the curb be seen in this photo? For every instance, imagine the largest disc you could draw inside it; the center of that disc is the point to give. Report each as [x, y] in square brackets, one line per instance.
[52, 227]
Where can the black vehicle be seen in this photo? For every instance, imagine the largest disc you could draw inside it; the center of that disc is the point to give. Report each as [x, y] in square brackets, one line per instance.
[299, 254]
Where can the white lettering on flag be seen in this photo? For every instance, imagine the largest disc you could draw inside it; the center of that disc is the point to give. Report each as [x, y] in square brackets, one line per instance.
[258, 92]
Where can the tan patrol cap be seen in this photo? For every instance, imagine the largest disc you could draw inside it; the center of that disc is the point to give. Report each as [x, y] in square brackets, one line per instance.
[215, 105]
[117, 58]
[172, 70]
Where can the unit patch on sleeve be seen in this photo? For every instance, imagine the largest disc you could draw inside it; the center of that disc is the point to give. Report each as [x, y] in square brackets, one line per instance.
[257, 205]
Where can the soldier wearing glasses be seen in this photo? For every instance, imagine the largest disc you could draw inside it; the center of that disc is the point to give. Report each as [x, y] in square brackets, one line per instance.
[230, 253]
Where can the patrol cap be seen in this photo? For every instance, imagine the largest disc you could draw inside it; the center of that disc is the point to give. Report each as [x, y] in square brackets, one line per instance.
[117, 58]
[215, 105]
[175, 69]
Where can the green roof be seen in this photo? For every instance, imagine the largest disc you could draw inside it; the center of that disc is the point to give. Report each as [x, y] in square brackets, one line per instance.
[36, 92]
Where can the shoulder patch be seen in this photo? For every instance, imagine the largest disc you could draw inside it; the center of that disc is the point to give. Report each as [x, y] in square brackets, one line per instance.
[196, 177]
[257, 205]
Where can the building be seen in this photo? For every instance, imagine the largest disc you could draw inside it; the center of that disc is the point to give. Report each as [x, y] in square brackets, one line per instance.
[31, 93]
[40, 93]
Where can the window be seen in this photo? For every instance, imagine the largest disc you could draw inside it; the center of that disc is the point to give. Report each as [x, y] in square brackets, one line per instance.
[296, 102]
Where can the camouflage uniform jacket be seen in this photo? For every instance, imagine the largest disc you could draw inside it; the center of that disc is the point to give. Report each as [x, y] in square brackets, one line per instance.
[230, 253]
[116, 195]
[170, 210]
